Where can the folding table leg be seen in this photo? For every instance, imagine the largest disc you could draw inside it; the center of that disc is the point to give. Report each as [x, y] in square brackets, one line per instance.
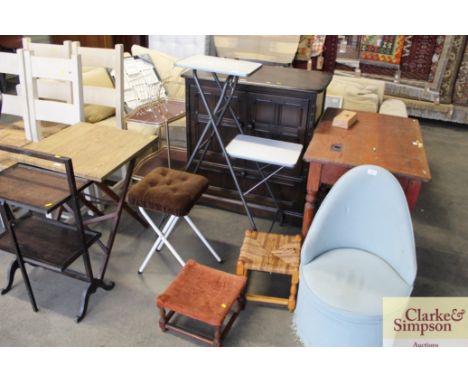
[267, 185]
[14, 266]
[218, 110]
[7, 217]
[28, 285]
[115, 216]
[215, 118]
[214, 122]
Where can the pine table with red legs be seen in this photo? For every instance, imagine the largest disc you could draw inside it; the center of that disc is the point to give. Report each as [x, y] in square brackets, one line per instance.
[394, 143]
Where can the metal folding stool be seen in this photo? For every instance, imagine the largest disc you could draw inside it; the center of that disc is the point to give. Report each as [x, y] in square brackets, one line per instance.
[173, 193]
[256, 149]
[164, 235]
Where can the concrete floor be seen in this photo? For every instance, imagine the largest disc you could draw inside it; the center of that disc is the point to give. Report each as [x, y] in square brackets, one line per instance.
[126, 316]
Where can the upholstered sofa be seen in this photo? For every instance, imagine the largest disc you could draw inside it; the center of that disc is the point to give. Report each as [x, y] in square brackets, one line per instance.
[363, 94]
[440, 94]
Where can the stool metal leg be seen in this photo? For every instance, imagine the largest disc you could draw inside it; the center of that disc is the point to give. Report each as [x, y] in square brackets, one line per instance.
[156, 244]
[147, 259]
[217, 110]
[202, 238]
[161, 235]
[168, 228]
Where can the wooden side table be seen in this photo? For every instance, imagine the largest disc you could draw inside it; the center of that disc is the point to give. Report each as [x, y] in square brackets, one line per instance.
[394, 143]
[272, 253]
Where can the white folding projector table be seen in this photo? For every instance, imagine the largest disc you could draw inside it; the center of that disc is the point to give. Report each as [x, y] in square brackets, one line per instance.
[263, 152]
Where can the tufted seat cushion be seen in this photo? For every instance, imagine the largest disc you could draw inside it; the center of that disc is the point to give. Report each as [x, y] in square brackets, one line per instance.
[169, 191]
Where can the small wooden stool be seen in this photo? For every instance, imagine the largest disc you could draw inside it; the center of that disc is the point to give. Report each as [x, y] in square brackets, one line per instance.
[204, 294]
[273, 253]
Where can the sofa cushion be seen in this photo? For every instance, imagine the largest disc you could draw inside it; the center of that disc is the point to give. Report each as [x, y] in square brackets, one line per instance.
[353, 280]
[394, 107]
[165, 66]
[141, 128]
[358, 94]
[100, 78]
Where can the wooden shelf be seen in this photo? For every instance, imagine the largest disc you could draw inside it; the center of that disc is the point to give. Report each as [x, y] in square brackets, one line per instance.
[46, 242]
[36, 188]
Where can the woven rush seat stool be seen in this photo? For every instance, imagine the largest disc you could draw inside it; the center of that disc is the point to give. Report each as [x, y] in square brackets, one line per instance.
[172, 192]
[204, 294]
[272, 253]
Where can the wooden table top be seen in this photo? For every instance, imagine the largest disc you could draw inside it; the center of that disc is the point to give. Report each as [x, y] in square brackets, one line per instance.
[96, 151]
[11, 135]
[394, 143]
[159, 112]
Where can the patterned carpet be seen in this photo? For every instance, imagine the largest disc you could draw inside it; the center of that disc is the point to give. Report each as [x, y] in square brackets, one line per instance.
[416, 60]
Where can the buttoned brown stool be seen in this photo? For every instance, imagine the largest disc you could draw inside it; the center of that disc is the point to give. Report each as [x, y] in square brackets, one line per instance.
[204, 294]
[272, 253]
[172, 192]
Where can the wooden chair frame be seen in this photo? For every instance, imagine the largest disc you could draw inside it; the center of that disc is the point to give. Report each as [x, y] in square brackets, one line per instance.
[13, 63]
[112, 97]
[66, 72]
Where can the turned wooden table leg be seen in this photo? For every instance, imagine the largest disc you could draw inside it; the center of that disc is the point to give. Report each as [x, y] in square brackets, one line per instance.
[293, 291]
[162, 319]
[313, 183]
[217, 336]
[412, 193]
[240, 269]
[241, 301]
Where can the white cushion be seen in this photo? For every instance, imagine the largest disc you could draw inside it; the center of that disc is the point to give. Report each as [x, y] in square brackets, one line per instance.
[360, 94]
[355, 96]
[394, 107]
[170, 75]
[276, 49]
[97, 77]
[353, 280]
[142, 128]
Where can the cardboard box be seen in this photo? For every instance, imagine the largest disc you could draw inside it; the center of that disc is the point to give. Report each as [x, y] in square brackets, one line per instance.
[345, 119]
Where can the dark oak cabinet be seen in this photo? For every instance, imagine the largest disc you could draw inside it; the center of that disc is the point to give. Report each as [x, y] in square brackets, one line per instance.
[275, 102]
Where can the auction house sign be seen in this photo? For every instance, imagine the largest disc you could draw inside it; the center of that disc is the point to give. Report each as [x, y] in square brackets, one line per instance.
[425, 321]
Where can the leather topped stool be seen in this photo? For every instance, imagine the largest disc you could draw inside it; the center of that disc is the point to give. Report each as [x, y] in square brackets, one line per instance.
[204, 294]
[172, 192]
[272, 253]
